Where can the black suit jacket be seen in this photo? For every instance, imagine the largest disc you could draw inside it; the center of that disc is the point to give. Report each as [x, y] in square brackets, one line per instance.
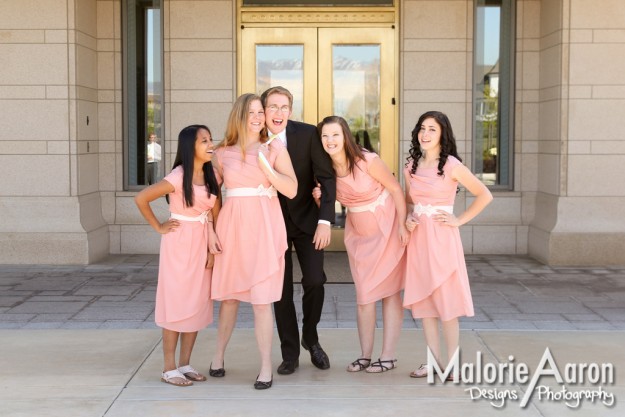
[310, 162]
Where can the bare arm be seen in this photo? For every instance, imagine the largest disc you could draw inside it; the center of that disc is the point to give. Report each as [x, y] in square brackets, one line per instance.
[149, 194]
[283, 176]
[411, 220]
[214, 245]
[380, 172]
[482, 194]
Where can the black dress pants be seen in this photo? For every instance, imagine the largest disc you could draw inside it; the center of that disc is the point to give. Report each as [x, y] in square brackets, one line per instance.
[311, 262]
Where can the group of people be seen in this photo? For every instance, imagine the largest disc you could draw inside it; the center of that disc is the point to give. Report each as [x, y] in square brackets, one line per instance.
[281, 179]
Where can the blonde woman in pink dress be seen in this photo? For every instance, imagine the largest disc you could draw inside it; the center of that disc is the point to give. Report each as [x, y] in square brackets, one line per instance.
[183, 304]
[250, 228]
[375, 238]
[437, 283]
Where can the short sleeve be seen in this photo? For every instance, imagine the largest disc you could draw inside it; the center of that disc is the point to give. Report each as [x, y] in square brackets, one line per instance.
[452, 162]
[370, 156]
[175, 177]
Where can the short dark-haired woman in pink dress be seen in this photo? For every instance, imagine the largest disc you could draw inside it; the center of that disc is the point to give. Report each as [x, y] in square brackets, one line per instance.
[183, 304]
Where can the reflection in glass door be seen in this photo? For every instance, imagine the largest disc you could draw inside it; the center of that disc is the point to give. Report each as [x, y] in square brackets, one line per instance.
[356, 91]
[282, 56]
[356, 97]
[356, 82]
[282, 65]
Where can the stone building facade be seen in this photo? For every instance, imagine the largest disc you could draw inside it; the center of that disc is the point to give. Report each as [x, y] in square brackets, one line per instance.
[64, 194]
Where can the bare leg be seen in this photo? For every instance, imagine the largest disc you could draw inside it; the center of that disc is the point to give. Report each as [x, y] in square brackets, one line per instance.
[366, 333]
[430, 330]
[187, 341]
[263, 325]
[451, 332]
[393, 316]
[227, 320]
[366, 328]
[170, 340]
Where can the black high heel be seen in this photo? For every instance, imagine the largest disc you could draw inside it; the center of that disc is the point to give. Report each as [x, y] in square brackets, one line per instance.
[263, 384]
[216, 373]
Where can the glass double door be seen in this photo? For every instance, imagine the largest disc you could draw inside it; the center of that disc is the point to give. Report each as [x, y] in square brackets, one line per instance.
[349, 72]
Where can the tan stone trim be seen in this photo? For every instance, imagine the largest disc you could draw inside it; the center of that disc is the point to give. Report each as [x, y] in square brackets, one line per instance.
[317, 17]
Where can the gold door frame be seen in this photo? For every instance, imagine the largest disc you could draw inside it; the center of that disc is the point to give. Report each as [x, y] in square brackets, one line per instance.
[275, 21]
[297, 36]
[349, 36]
[318, 28]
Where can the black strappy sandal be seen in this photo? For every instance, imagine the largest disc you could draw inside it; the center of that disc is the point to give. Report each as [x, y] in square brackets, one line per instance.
[359, 364]
[379, 366]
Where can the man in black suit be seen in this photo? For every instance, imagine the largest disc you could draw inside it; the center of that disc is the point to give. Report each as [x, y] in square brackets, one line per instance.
[307, 226]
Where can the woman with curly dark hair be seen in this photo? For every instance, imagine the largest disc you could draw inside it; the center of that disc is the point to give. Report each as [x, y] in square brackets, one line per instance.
[437, 284]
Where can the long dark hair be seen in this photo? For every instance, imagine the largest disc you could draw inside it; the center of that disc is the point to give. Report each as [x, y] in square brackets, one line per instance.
[185, 156]
[353, 151]
[448, 141]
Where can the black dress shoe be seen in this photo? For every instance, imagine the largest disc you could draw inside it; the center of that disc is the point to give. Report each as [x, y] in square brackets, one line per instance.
[263, 384]
[288, 367]
[317, 356]
[216, 373]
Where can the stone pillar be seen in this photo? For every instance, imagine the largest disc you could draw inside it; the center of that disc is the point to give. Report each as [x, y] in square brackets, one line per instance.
[578, 217]
[50, 205]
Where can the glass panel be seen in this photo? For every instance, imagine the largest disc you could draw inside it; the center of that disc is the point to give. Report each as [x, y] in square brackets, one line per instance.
[356, 96]
[356, 91]
[282, 65]
[154, 99]
[317, 3]
[143, 92]
[492, 91]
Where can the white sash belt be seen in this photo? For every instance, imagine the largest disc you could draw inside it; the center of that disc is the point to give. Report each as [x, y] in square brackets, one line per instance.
[371, 206]
[428, 210]
[201, 218]
[259, 191]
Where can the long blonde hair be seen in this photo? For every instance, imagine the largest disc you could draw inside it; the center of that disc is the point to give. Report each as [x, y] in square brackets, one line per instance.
[236, 130]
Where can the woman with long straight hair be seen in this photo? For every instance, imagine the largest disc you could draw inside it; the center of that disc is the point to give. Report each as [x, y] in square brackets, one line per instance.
[183, 304]
[251, 230]
[375, 238]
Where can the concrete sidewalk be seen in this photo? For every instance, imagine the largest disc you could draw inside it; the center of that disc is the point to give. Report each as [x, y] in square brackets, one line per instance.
[80, 341]
[115, 373]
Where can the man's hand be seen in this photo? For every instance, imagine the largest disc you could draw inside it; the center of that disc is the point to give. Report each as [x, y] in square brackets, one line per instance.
[322, 236]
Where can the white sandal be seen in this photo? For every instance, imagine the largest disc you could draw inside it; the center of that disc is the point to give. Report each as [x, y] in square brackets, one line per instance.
[169, 376]
[190, 373]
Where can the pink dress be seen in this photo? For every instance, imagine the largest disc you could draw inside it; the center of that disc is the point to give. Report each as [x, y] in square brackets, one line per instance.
[437, 283]
[183, 301]
[376, 256]
[251, 230]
